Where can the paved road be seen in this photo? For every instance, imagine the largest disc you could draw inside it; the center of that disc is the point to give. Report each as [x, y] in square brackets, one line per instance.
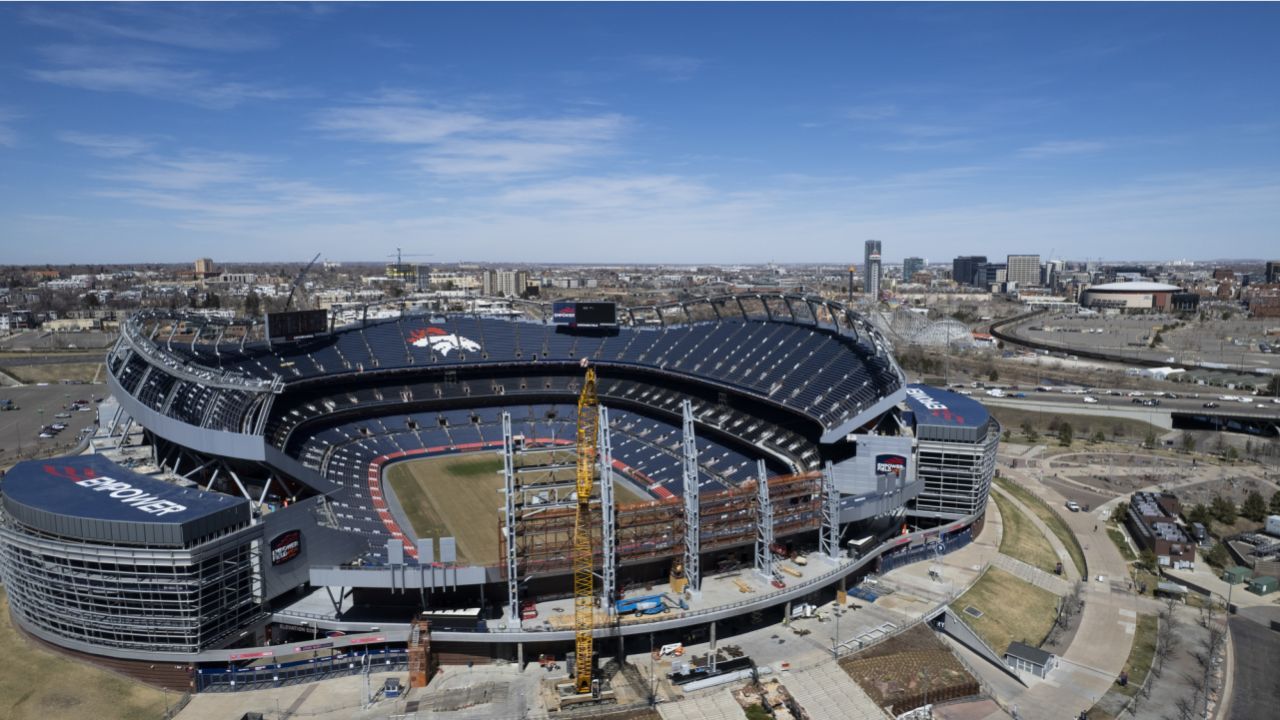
[1070, 572]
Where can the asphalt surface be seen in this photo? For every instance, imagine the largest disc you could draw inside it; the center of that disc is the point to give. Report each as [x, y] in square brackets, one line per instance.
[39, 405]
[1256, 690]
[1041, 401]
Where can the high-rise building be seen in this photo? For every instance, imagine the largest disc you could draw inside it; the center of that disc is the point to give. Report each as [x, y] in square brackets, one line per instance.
[964, 269]
[871, 272]
[1273, 272]
[1024, 270]
[205, 268]
[911, 266]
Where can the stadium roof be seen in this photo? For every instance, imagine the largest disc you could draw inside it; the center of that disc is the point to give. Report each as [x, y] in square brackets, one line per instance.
[1135, 286]
[935, 406]
[92, 498]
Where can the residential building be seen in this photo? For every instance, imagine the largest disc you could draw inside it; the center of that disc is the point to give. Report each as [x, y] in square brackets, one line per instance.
[205, 268]
[507, 283]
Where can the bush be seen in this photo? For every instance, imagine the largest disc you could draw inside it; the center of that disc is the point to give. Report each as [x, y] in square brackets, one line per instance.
[1223, 509]
[1275, 502]
[757, 712]
[1065, 434]
[1218, 556]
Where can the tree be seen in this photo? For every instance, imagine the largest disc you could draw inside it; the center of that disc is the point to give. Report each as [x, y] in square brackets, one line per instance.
[1275, 502]
[1188, 443]
[1232, 453]
[1150, 441]
[1200, 514]
[1029, 431]
[1098, 437]
[1254, 507]
[1149, 561]
[1065, 434]
[1218, 556]
[1223, 509]
[1273, 387]
[1008, 435]
[994, 375]
[252, 305]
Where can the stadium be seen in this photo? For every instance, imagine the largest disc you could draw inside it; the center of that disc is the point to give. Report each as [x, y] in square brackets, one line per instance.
[325, 489]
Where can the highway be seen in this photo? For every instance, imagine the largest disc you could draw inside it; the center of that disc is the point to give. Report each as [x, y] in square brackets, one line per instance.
[1121, 405]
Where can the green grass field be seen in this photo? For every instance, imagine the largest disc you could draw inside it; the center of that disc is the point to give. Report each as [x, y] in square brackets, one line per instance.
[1011, 610]
[38, 684]
[1082, 426]
[1118, 538]
[1052, 519]
[1022, 539]
[1141, 654]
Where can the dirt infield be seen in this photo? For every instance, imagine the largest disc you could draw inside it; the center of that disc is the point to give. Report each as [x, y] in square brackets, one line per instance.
[454, 495]
[37, 684]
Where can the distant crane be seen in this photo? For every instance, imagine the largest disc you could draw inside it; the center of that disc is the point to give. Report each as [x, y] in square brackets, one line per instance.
[297, 282]
[399, 256]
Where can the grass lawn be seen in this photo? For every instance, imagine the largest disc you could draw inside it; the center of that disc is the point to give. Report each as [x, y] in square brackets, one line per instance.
[1022, 539]
[54, 372]
[1011, 610]
[1082, 426]
[1051, 518]
[1141, 654]
[1117, 537]
[38, 684]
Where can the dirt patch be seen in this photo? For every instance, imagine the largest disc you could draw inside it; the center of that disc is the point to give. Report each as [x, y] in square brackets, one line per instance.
[903, 670]
[38, 684]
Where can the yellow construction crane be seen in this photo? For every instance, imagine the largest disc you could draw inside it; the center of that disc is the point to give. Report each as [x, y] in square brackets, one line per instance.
[583, 551]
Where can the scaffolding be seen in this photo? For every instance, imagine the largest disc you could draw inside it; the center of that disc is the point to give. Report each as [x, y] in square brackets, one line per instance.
[829, 537]
[608, 514]
[764, 523]
[692, 511]
[509, 518]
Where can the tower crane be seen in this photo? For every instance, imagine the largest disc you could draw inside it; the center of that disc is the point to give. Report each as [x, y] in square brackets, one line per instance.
[583, 551]
[297, 282]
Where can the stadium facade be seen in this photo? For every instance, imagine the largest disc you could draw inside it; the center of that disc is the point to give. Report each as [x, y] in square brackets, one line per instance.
[1134, 296]
[281, 445]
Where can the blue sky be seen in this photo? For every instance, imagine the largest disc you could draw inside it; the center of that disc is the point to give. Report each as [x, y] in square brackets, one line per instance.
[638, 133]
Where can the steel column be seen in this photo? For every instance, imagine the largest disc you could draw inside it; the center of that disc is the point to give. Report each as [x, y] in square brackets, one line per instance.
[692, 513]
[830, 532]
[609, 530]
[764, 523]
[509, 528]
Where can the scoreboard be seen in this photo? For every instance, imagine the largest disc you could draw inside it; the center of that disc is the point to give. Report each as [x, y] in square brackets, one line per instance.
[585, 314]
[297, 323]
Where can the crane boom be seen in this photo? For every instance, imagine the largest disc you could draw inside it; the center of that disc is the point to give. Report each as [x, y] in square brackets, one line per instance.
[583, 551]
[298, 280]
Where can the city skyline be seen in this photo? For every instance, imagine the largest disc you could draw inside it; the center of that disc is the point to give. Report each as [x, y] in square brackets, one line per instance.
[637, 134]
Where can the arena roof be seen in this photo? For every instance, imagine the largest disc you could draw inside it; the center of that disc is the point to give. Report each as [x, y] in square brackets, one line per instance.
[91, 498]
[1136, 286]
[935, 406]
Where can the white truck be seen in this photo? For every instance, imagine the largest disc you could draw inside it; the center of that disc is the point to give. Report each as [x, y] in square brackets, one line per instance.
[1273, 525]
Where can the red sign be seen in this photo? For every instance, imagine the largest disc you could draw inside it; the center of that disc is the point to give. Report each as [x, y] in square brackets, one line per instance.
[367, 640]
[252, 655]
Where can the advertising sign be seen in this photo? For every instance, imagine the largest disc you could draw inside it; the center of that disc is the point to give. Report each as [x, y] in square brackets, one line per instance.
[285, 547]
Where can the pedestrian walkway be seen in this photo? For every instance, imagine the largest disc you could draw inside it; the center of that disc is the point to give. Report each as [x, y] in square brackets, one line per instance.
[827, 692]
[715, 704]
[1031, 574]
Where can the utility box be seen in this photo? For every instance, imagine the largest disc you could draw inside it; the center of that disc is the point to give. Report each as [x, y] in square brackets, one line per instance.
[1263, 585]
[1236, 575]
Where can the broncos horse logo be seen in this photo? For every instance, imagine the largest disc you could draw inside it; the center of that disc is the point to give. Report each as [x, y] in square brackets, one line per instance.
[442, 341]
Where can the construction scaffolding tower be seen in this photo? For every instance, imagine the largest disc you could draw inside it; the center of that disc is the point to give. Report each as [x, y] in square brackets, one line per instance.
[583, 551]
[829, 537]
[509, 492]
[608, 518]
[692, 513]
[764, 523]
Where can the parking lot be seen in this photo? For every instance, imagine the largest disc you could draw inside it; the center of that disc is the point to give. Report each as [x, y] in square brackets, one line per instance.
[38, 407]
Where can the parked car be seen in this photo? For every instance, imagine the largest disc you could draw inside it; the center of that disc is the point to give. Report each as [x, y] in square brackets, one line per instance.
[1073, 506]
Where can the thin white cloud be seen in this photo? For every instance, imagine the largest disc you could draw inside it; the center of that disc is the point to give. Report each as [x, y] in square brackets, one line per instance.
[1058, 148]
[672, 67]
[611, 193]
[8, 136]
[108, 146]
[190, 26]
[876, 111]
[473, 143]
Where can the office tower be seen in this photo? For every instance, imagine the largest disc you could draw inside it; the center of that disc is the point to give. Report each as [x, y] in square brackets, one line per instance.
[1273, 272]
[911, 266]
[1023, 270]
[871, 272]
[964, 269]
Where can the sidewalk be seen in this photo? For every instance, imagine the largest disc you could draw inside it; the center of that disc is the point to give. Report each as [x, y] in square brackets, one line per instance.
[1070, 572]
